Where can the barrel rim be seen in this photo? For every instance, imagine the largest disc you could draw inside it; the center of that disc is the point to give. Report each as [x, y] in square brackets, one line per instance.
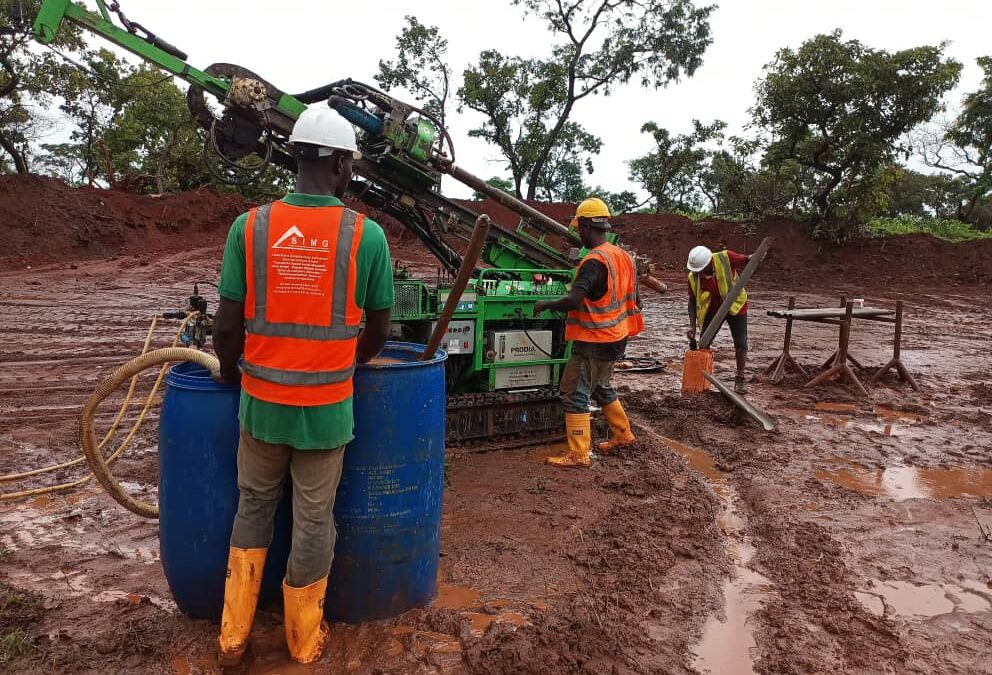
[410, 347]
[194, 377]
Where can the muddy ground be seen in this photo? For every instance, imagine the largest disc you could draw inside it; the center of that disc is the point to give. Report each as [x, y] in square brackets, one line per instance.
[848, 541]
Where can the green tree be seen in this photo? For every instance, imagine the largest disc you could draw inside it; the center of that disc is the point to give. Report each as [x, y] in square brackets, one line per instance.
[672, 172]
[27, 79]
[497, 182]
[421, 67]
[153, 136]
[598, 44]
[839, 109]
[90, 101]
[619, 202]
[963, 147]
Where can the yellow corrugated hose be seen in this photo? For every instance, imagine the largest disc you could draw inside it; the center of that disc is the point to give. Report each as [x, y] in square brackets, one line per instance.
[87, 437]
[94, 450]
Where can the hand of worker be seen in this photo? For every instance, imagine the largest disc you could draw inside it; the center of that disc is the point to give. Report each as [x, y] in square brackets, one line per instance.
[227, 376]
[691, 333]
[540, 306]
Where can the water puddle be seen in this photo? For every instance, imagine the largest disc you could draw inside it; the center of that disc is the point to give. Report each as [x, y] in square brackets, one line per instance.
[908, 600]
[909, 482]
[456, 597]
[481, 615]
[727, 644]
[887, 421]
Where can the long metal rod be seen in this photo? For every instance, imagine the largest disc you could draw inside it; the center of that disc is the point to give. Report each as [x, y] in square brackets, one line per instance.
[512, 203]
[707, 337]
[757, 413]
[527, 211]
[469, 262]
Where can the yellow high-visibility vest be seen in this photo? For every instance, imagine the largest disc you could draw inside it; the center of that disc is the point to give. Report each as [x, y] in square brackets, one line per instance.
[725, 278]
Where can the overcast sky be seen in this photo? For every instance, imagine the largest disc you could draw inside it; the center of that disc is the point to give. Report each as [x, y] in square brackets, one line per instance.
[299, 45]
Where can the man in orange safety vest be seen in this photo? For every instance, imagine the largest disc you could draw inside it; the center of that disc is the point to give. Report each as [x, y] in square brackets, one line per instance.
[297, 276]
[604, 309]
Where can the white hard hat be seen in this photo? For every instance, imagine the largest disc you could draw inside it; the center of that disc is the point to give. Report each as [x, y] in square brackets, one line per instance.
[699, 258]
[324, 127]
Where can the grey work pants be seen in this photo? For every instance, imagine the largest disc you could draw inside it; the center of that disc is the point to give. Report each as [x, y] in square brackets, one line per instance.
[585, 378]
[262, 470]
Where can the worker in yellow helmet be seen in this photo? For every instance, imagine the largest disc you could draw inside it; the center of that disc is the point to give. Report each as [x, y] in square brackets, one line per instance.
[604, 309]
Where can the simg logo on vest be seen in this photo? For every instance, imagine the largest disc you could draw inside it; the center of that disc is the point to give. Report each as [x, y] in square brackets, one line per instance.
[295, 240]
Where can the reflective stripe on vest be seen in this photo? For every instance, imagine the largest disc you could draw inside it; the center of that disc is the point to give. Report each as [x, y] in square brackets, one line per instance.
[725, 278]
[615, 315]
[303, 356]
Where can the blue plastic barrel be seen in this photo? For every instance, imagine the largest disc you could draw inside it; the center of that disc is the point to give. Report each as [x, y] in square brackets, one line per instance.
[388, 508]
[198, 493]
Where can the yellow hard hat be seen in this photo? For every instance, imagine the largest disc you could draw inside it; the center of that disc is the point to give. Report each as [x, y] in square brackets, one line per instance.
[595, 209]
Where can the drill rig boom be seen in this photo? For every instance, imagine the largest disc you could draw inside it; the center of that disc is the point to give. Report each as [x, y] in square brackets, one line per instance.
[504, 363]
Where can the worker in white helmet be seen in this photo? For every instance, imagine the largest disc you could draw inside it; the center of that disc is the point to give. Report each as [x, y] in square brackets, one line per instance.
[298, 275]
[710, 277]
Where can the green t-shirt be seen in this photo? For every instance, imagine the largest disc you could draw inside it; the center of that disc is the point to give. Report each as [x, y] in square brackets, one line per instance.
[319, 427]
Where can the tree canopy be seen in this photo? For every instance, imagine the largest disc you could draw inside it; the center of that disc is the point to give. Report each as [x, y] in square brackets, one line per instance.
[527, 104]
[840, 109]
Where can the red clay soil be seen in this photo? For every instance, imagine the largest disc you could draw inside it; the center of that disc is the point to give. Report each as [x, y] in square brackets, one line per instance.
[42, 219]
[666, 238]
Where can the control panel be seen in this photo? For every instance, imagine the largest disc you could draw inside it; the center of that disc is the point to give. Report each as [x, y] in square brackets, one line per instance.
[459, 338]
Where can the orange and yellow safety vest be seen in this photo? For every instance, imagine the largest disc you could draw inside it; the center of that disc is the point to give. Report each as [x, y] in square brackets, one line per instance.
[725, 278]
[616, 315]
[301, 319]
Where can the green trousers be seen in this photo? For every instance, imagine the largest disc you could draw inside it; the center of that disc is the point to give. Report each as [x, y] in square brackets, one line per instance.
[262, 471]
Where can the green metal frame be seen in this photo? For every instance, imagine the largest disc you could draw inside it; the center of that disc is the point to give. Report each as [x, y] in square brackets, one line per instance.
[53, 12]
[511, 300]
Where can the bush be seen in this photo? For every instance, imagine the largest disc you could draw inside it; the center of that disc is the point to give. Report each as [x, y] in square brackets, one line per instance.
[949, 230]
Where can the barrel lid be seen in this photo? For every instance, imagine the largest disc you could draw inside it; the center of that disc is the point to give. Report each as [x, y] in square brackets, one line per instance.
[403, 355]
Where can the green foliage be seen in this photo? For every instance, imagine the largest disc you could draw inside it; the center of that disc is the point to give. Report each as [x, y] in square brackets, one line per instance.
[521, 100]
[619, 202]
[497, 182]
[28, 77]
[421, 66]
[14, 644]
[947, 229]
[963, 149]
[839, 109]
[672, 173]
[598, 44]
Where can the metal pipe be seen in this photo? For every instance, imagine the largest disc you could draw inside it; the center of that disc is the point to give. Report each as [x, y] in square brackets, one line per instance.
[475, 245]
[707, 337]
[757, 413]
[524, 210]
[503, 199]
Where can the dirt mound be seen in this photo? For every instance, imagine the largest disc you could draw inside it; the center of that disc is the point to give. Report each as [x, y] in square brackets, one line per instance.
[666, 238]
[44, 219]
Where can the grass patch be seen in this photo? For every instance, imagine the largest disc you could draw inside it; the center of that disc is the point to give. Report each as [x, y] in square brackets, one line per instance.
[14, 644]
[948, 230]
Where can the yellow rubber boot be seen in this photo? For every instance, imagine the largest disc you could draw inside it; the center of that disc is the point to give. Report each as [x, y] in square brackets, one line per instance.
[579, 436]
[306, 631]
[244, 579]
[620, 433]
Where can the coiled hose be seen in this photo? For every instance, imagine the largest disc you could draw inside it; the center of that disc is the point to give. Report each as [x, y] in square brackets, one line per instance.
[110, 432]
[87, 435]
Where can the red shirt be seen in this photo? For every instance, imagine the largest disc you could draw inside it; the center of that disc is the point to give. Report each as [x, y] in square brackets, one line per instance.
[707, 282]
